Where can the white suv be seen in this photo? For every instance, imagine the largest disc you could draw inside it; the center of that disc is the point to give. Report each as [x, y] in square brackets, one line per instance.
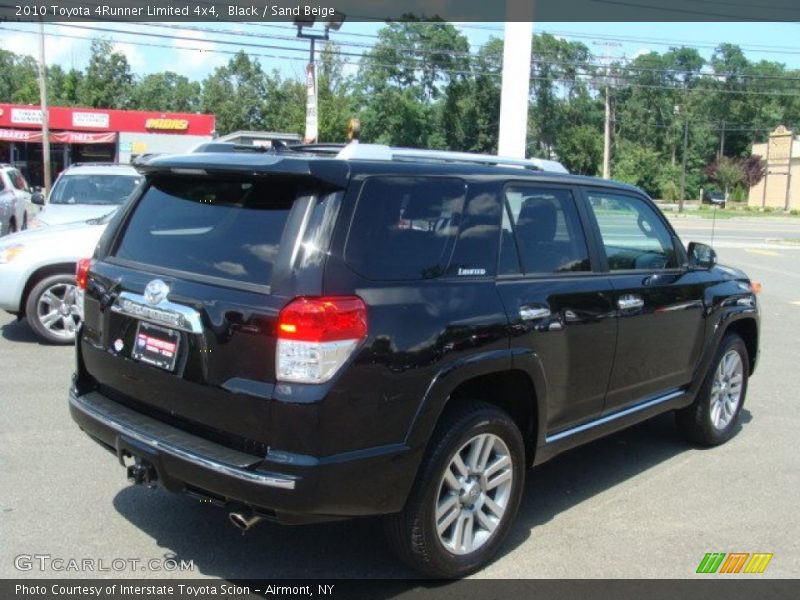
[86, 191]
[14, 196]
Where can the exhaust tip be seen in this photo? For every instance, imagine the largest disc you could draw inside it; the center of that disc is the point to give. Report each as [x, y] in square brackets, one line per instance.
[244, 520]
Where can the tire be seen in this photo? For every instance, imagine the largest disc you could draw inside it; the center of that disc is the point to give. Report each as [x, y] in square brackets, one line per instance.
[24, 221]
[52, 310]
[714, 416]
[413, 534]
[12, 226]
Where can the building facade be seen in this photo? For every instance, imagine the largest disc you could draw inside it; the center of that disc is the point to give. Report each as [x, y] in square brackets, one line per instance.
[780, 187]
[94, 135]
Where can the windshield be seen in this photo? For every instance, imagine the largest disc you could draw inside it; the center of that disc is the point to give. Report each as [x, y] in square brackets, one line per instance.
[94, 189]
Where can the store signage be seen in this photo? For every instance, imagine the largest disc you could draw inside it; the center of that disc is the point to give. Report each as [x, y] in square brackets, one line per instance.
[90, 119]
[26, 116]
[20, 135]
[167, 124]
[80, 137]
[60, 137]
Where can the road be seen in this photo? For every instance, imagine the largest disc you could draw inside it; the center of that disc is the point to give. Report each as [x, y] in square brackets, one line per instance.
[641, 503]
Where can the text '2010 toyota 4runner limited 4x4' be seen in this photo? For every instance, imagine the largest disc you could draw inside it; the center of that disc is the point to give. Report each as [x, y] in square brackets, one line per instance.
[304, 335]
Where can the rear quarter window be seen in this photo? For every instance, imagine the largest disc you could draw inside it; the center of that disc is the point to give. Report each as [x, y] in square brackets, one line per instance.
[228, 229]
[404, 228]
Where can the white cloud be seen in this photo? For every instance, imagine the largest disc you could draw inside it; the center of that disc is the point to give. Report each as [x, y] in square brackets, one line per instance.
[640, 52]
[134, 56]
[197, 53]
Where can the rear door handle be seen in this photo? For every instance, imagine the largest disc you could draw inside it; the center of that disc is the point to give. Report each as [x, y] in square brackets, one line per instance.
[530, 313]
[630, 302]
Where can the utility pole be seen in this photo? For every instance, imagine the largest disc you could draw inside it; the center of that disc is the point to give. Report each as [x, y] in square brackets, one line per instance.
[608, 117]
[683, 160]
[312, 114]
[515, 87]
[45, 115]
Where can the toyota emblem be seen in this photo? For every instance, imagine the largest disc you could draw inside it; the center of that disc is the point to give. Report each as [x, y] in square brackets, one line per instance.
[156, 291]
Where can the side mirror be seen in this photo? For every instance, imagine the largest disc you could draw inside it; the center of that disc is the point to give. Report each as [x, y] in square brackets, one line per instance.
[37, 198]
[701, 256]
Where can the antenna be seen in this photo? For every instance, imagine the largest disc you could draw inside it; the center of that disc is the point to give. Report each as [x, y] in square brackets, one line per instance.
[713, 224]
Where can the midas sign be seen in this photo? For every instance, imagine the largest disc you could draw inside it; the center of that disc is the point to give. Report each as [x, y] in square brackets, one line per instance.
[171, 124]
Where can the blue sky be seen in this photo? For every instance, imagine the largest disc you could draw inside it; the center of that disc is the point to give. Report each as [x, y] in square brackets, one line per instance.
[202, 49]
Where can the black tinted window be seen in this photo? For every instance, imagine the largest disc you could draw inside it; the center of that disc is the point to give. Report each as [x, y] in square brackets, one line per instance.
[404, 227]
[230, 229]
[633, 235]
[548, 232]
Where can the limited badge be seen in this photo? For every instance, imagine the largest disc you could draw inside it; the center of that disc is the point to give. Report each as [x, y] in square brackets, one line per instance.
[119, 345]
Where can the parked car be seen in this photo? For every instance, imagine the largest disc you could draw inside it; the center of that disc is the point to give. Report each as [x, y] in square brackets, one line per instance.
[714, 197]
[86, 191]
[14, 197]
[37, 276]
[304, 335]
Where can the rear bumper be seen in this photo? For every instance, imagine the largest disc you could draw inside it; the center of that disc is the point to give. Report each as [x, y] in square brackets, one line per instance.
[315, 490]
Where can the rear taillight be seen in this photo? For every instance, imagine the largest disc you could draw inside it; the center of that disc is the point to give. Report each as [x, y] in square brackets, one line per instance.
[316, 336]
[82, 272]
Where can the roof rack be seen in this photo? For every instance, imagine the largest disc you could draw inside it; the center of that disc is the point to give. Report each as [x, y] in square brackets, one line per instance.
[382, 152]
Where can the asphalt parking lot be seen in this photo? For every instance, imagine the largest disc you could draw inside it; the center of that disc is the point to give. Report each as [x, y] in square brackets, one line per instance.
[641, 503]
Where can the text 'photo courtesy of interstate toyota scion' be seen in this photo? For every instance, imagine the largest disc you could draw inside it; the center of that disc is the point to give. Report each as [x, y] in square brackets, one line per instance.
[319, 332]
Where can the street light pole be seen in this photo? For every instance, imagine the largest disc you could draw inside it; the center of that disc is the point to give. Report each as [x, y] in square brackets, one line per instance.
[312, 112]
[45, 116]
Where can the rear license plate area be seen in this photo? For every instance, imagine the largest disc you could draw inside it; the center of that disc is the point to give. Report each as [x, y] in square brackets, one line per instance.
[157, 346]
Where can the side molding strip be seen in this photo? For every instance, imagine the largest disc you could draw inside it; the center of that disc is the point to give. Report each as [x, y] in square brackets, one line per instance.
[614, 416]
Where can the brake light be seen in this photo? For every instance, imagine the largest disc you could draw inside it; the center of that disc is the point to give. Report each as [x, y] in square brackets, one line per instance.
[756, 285]
[82, 272]
[316, 336]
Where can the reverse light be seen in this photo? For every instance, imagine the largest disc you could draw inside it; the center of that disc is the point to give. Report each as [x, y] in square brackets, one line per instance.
[82, 272]
[316, 336]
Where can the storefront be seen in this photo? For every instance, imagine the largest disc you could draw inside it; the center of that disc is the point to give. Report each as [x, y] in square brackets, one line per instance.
[94, 135]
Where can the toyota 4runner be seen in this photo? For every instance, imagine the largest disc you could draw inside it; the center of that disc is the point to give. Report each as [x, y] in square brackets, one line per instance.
[319, 333]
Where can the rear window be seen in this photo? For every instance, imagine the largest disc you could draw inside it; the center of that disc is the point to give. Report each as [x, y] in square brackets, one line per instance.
[404, 228]
[94, 189]
[221, 228]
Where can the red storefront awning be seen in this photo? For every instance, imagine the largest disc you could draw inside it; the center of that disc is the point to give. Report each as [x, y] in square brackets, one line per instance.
[58, 137]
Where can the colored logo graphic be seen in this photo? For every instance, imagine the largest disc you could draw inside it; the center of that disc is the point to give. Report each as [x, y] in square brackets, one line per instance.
[734, 562]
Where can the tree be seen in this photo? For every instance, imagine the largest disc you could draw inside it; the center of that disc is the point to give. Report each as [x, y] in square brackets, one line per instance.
[18, 78]
[727, 173]
[754, 169]
[335, 96]
[166, 91]
[412, 68]
[236, 94]
[108, 82]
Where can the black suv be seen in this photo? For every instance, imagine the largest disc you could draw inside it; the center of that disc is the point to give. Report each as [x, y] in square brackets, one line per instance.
[301, 336]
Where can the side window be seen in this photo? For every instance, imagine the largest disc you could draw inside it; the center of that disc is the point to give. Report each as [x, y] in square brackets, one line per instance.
[18, 180]
[549, 236]
[633, 235]
[404, 228]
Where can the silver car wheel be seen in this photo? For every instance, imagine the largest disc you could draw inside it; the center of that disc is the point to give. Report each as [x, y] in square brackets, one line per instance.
[726, 389]
[57, 310]
[474, 493]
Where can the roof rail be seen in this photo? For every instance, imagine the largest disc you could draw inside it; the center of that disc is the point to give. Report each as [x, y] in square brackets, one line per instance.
[382, 152]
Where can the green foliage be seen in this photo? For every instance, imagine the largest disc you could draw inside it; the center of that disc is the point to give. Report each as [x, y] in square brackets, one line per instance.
[727, 173]
[167, 91]
[639, 166]
[422, 85]
[108, 82]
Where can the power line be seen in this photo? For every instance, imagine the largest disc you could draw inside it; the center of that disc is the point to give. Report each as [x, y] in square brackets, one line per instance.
[578, 77]
[541, 61]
